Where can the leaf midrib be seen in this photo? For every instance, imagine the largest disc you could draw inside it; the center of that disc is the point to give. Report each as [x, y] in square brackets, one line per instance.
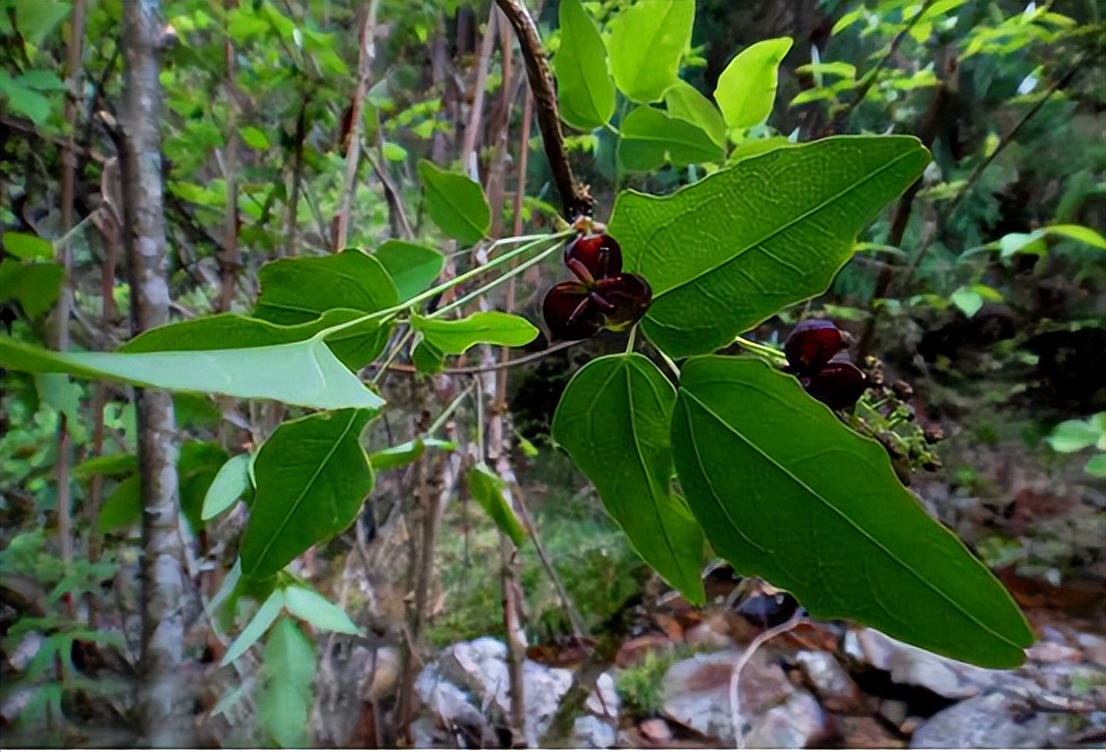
[864, 533]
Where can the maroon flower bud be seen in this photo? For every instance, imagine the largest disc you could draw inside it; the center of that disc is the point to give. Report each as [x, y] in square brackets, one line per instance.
[811, 345]
[594, 257]
[839, 384]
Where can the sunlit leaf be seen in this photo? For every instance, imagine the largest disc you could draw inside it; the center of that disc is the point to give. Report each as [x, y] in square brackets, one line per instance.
[647, 41]
[455, 336]
[746, 89]
[488, 490]
[585, 90]
[455, 203]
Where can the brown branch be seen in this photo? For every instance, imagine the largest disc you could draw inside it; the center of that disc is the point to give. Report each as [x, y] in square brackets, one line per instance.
[228, 260]
[576, 199]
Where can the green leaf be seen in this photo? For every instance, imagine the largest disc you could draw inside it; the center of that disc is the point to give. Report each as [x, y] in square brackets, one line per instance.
[354, 347]
[1080, 233]
[686, 103]
[406, 453]
[123, 506]
[1096, 466]
[967, 300]
[393, 152]
[301, 373]
[256, 629]
[746, 89]
[787, 492]
[646, 44]
[455, 336]
[318, 611]
[228, 486]
[254, 138]
[108, 464]
[1075, 436]
[28, 247]
[311, 478]
[613, 420]
[455, 203]
[650, 138]
[35, 286]
[487, 488]
[585, 90]
[731, 250]
[41, 80]
[284, 700]
[24, 100]
[197, 468]
[413, 268]
[37, 19]
[299, 290]
[426, 358]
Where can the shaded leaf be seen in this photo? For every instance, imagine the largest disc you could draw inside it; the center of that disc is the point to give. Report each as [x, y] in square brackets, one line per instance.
[685, 102]
[311, 478]
[650, 138]
[585, 90]
[28, 247]
[284, 700]
[727, 252]
[413, 268]
[301, 373]
[107, 464]
[455, 203]
[299, 290]
[256, 629]
[123, 506]
[647, 41]
[197, 468]
[746, 89]
[318, 611]
[787, 492]
[487, 489]
[406, 453]
[455, 336]
[35, 286]
[613, 420]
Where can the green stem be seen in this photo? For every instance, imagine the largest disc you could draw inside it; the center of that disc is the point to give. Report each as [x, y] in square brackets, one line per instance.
[447, 285]
[632, 340]
[393, 355]
[756, 347]
[452, 408]
[497, 281]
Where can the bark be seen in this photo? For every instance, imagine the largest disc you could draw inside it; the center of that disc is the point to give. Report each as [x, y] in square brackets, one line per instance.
[164, 704]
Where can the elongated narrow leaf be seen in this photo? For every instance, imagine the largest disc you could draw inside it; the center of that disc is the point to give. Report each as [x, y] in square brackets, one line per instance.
[585, 90]
[355, 346]
[412, 267]
[284, 699]
[299, 290]
[747, 87]
[406, 453]
[650, 138]
[785, 491]
[301, 373]
[613, 420]
[487, 488]
[729, 251]
[230, 483]
[107, 464]
[318, 611]
[455, 203]
[646, 44]
[686, 103]
[257, 627]
[311, 478]
[456, 336]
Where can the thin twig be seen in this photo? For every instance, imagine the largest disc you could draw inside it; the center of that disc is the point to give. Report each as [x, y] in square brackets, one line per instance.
[739, 664]
[469, 370]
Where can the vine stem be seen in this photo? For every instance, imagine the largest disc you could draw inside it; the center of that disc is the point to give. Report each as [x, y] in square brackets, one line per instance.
[514, 272]
[739, 664]
[576, 199]
[756, 347]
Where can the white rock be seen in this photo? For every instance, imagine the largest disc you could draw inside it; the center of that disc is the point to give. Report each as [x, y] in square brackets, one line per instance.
[592, 733]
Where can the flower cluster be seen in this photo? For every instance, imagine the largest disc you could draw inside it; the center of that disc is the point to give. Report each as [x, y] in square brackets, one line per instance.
[601, 296]
[816, 355]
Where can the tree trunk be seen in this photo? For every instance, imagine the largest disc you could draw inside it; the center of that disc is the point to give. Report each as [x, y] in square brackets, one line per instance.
[164, 704]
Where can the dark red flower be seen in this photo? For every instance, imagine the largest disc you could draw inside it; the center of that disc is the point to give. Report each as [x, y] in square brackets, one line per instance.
[811, 345]
[601, 296]
[839, 384]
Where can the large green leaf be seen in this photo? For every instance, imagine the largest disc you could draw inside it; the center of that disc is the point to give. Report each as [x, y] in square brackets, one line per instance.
[650, 138]
[613, 420]
[355, 346]
[311, 478]
[455, 203]
[487, 488]
[585, 90]
[300, 373]
[729, 251]
[28, 247]
[686, 103]
[412, 267]
[646, 44]
[746, 89]
[787, 492]
[284, 700]
[35, 286]
[299, 290]
[458, 335]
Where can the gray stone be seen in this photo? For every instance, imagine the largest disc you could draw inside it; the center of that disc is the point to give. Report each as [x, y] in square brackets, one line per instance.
[544, 687]
[592, 733]
[603, 700]
[915, 666]
[830, 681]
[991, 720]
[796, 724]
